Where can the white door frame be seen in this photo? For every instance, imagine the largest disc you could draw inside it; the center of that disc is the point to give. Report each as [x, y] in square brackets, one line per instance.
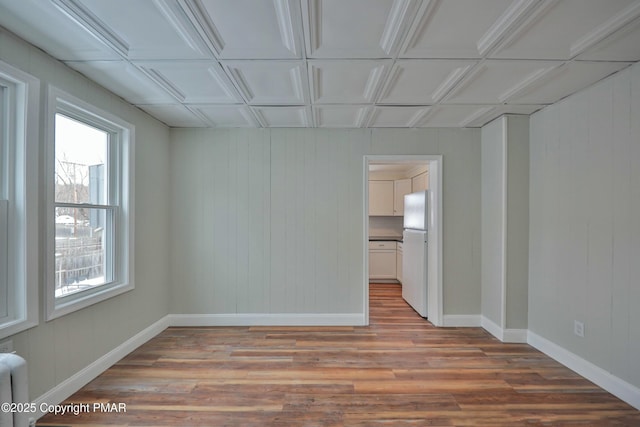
[435, 184]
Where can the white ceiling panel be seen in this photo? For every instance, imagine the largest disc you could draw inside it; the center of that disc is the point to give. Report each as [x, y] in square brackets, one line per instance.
[568, 79]
[561, 29]
[125, 80]
[175, 115]
[422, 81]
[252, 29]
[495, 82]
[332, 63]
[481, 118]
[270, 83]
[163, 32]
[433, 36]
[623, 45]
[356, 28]
[460, 115]
[350, 82]
[233, 116]
[340, 116]
[473, 115]
[399, 117]
[523, 109]
[192, 82]
[54, 32]
[283, 116]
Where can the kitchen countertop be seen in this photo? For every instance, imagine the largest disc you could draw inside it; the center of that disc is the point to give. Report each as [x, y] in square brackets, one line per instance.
[385, 238]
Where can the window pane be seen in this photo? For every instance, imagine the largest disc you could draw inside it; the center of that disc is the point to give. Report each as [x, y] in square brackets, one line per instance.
[82, 249]
[81, 156]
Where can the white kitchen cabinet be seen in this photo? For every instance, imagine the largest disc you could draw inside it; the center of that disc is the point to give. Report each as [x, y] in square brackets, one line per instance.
[399, 261]
[382, 260]
[386, 198]
[381, 198]
[420, 182]
[401, 187]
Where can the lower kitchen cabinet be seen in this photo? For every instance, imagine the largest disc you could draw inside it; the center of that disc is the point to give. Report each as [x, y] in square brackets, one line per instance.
[382, 260]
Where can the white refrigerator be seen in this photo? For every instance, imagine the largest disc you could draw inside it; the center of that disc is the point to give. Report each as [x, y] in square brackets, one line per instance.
[415, 239]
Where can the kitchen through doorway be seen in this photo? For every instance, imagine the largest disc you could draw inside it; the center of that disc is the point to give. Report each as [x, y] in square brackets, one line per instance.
[387, 179]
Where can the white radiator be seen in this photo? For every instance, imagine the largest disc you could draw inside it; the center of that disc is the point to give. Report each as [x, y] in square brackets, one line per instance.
[13, 389]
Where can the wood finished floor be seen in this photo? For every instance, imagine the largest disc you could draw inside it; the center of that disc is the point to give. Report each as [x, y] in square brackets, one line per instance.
[399, 371]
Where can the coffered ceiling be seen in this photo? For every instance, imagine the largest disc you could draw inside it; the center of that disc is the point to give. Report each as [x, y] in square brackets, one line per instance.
[334, 63]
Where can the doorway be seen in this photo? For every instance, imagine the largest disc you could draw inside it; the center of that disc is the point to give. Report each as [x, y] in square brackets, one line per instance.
[376, 166]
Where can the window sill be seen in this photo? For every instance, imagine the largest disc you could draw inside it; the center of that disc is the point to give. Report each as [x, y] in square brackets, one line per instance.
[67, 307]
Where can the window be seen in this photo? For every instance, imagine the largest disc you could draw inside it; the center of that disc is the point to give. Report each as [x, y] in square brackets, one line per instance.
[18, 200]
[90, 256]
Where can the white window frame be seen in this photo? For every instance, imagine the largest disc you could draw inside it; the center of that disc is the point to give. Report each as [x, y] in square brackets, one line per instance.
[19, 170]
[120, 175]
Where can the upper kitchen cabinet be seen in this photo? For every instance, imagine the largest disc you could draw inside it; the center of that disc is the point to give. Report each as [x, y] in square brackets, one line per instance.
[390, 182]
[381, 198]
[401, 187]
[386, 198]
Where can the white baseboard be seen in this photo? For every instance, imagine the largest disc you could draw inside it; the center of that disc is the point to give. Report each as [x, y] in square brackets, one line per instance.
[504, 335]
[461, 320]
[515, 335]
[491, 327]
[75, 382]
[267, 319]
[614, 385]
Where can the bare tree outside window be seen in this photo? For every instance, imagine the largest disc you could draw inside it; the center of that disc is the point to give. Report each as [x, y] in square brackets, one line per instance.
[72, 186]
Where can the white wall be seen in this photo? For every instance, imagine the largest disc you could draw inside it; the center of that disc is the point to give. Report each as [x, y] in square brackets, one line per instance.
[58, 349]
[505, 225]
[271, 221]
[584, 227]
[494, 176]
[517, 238]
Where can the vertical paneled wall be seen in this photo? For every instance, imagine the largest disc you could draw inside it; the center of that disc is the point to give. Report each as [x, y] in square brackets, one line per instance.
[221, 244]
[517, 222]
[271, 221]
[494, 186]
[584, 228]
[505, 224]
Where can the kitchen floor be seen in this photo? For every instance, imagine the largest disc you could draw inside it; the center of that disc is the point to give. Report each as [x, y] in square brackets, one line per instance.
[398, 371]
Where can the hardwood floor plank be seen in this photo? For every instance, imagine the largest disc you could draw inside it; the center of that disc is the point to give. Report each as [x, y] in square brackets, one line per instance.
[368, 403]
[399, 371]
[434, 386]
[369, 374]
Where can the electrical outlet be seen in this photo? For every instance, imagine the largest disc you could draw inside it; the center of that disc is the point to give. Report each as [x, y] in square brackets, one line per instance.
[578, 328]
[6, 346]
